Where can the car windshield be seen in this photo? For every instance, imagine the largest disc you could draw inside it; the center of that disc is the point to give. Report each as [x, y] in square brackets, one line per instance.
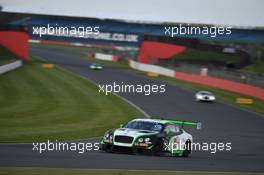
[144, 125]
[205, 93]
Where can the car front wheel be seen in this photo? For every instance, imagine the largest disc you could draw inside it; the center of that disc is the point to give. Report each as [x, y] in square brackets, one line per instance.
[188, 149]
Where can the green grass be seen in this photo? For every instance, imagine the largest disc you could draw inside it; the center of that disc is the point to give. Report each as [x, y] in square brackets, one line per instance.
[257, 60]
[222, 95]
[257, 67]
[38, 104]
[6, 56]
[198, 55]
[65, 171]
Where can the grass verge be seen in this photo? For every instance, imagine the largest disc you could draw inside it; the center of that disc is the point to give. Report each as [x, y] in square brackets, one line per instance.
[257, 67]
[6, 56]
[64, 171]
[209, 56]
[37, 104]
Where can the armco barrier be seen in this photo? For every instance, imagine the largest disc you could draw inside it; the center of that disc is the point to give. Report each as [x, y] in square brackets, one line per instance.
[151, 68]
[222, 84]
[240, 88]
[55, 42]
[11, 66]
[106, 57]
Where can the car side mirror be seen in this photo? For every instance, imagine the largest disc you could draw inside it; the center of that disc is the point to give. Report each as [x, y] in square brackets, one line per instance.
[199, 126]
[121, 125]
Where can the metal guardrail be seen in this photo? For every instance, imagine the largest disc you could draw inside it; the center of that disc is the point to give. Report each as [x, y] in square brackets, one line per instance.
[11, 66]
[233, 75]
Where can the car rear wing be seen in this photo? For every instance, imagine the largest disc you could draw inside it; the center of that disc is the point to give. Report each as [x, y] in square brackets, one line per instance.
[182, 123]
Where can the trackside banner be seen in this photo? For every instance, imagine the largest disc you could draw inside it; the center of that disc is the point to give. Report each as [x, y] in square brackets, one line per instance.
[90, 33]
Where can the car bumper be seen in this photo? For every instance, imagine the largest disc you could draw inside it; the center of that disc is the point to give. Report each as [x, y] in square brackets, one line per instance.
[205, 98]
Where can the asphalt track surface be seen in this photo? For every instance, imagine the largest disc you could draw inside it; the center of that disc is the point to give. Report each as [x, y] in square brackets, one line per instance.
[221, 123]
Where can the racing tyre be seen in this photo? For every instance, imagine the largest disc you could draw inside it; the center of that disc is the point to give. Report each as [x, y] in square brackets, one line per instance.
[188, 149]
[109, 148]
[156, 150]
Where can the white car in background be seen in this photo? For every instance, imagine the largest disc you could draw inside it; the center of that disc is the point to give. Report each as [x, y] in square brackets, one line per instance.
[204, 96]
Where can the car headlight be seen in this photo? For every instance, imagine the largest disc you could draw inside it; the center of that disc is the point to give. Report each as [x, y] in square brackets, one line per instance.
[140, 140]
[106, 135]
[147, 139]
[198, 96]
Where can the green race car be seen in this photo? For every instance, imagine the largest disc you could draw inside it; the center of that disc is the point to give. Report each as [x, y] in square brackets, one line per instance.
[95, 66]
[151, 136]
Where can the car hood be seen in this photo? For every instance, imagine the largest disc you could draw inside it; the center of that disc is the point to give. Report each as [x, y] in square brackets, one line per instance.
[133, 132]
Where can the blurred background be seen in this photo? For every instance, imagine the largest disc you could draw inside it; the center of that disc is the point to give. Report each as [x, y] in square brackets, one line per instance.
[49, 97]
[135, 30]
